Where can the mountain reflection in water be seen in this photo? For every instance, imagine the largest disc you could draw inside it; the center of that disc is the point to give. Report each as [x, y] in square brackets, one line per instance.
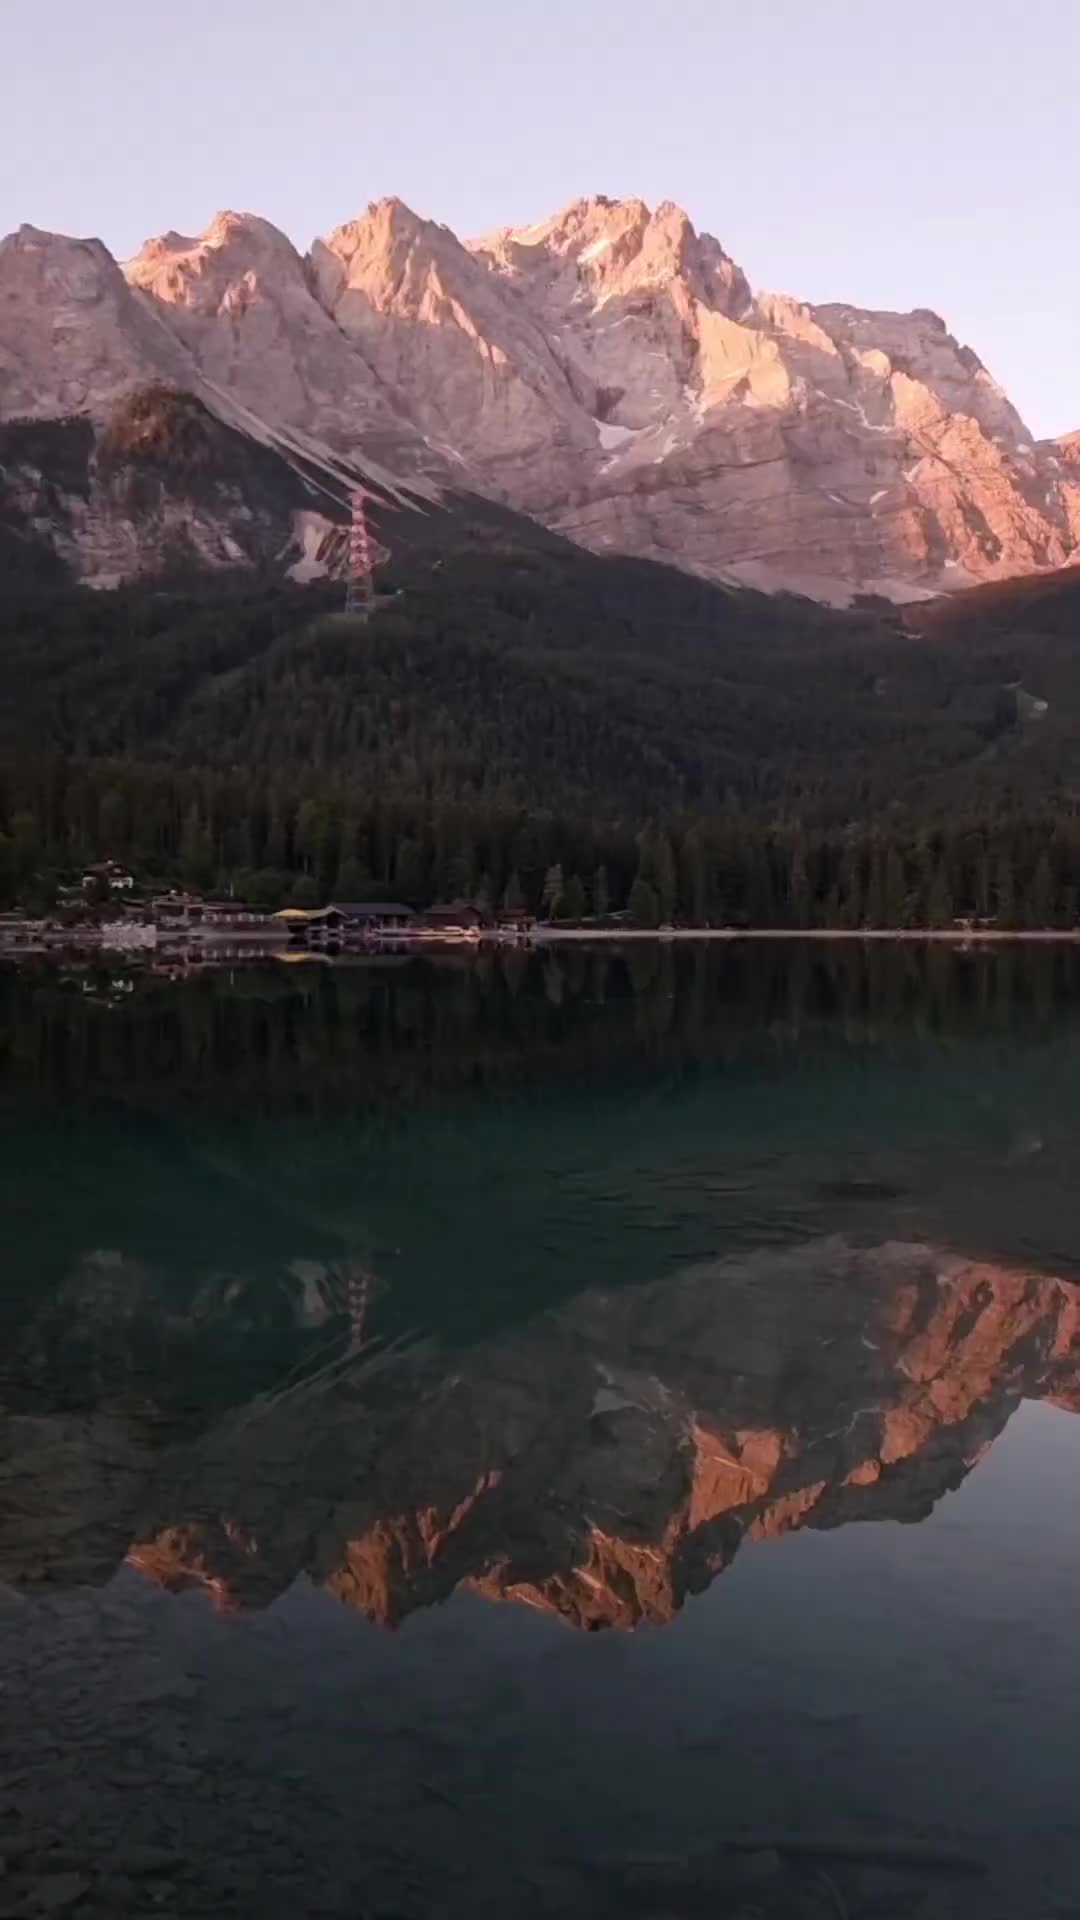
[563, 1283]
[602, 1461]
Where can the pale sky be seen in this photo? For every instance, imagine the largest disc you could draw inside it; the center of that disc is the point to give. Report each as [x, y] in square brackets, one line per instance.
[922, 154]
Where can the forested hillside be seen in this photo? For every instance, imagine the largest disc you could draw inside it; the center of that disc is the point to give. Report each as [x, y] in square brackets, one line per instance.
[548, 725]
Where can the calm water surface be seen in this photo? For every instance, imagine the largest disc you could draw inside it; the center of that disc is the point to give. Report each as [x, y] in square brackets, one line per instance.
[560, 1434]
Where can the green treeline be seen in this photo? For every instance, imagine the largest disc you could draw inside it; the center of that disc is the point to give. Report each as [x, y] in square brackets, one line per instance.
[317, 840]
[550, 730]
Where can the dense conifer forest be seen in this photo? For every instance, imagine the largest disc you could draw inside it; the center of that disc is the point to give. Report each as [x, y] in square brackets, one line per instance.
[546, 728]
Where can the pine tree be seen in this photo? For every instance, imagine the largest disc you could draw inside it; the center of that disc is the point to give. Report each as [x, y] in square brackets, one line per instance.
[798, 888]
[939, 900]
[1005, 890]
[310, 834]
[457, 882]
[353, 881]
[573, 903]
[8, 882]
[983, 893]
[759, 897]
[664, 876]
[1039, 903]
[276, 851]
[601, 894]
[267, 890]
[409, 876]
[553, 890]
[643, 906]
[113, 824]
[694, 901]
[874, 910]
[329, 853]
[896, 913]
[656, 866]
[196, 851]
[850, 888]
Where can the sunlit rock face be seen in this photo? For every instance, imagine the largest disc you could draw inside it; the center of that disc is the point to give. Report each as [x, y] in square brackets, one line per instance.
[612, 1457]
[73, 337]
[238, 297]
[823, 447]
[477, 370]
[608, 370]
[197, 410]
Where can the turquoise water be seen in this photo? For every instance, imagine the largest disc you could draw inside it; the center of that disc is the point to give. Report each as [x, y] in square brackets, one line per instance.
[463, 1429]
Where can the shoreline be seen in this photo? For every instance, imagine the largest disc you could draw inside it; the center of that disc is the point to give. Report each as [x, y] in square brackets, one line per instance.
[243, 945]
[944, 936]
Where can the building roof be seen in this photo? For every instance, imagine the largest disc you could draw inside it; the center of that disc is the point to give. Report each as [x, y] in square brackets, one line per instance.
[372, 909]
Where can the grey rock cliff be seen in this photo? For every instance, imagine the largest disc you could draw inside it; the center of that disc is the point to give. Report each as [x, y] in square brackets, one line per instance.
[609, 371]
[239, 299]
[72, 338]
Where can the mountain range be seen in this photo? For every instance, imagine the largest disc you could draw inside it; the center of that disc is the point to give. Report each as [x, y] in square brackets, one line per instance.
[609, 373]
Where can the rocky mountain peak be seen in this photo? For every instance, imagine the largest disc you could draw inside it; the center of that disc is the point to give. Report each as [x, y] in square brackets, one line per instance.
[37, 267]
[475, 369]
[608, 369]
[52, 248]
[624, 293]
[239, 297]
[616, 247]
[388, 249]
[204, 273]
[71, 337]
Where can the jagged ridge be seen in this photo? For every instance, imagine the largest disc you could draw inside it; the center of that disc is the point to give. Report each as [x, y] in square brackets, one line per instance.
[608, 370]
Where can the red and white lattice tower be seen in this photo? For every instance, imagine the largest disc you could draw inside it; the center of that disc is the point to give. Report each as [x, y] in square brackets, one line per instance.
[360, 589]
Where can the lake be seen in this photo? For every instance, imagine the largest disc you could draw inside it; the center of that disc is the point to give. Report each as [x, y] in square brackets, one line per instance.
[559, 1433]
